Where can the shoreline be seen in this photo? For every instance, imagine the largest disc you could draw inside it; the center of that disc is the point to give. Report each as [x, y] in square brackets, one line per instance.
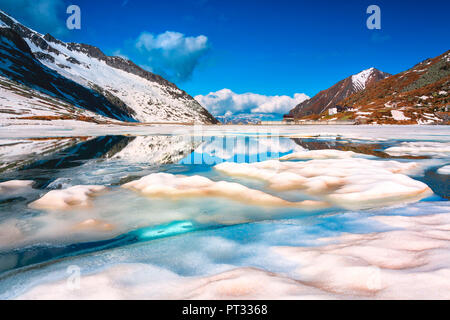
[367, 131]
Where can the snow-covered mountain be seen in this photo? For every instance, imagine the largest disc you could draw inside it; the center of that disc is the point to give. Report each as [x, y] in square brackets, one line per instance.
[129, 91]
[329, 98]
[366, 77]
[24, 78]
[419, 95]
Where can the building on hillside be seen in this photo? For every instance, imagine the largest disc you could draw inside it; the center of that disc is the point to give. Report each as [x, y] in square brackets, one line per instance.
[288, 118]
[337, 109]
[332, 111]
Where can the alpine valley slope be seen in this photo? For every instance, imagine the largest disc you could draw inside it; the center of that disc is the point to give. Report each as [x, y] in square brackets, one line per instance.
[420, 95]
[126, 91]
[328, 98]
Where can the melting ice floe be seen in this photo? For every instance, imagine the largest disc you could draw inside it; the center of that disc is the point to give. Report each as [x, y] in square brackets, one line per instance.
[88, 213]
[444, 170]
[14, 186]
[407, 259]
[179, 186]
[73, 197]
[62, 223]
[436, 149]
[349, 183]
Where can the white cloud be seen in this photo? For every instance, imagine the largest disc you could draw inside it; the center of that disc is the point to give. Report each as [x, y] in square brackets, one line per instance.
[172, 54]
[226, 102]
[41, 15]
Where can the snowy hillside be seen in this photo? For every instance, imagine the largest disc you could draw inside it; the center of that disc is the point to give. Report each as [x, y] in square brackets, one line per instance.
[18, 64]
[124, 84]
[22, 105]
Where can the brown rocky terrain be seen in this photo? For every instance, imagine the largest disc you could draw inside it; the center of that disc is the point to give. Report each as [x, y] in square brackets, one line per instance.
[329, 98]
[420, 95]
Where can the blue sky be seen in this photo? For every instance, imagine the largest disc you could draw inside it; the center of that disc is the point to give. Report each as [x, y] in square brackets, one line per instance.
[259, 46]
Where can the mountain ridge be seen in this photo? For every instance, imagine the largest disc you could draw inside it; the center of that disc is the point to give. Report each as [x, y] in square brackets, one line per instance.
[418, 95]
[330, 97]
[421, 94]
[20, 65]
[151, 97]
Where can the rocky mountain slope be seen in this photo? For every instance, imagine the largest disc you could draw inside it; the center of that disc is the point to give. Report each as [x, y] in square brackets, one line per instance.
[418, 95]
[23, 76]
[329, 98]
[127, 92]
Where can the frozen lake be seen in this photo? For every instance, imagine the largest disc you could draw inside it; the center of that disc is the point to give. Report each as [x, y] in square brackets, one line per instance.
[230, 212]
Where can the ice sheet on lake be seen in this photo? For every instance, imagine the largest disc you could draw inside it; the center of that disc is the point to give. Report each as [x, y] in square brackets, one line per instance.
[405, 257]
[239, 250]
[410, 262]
